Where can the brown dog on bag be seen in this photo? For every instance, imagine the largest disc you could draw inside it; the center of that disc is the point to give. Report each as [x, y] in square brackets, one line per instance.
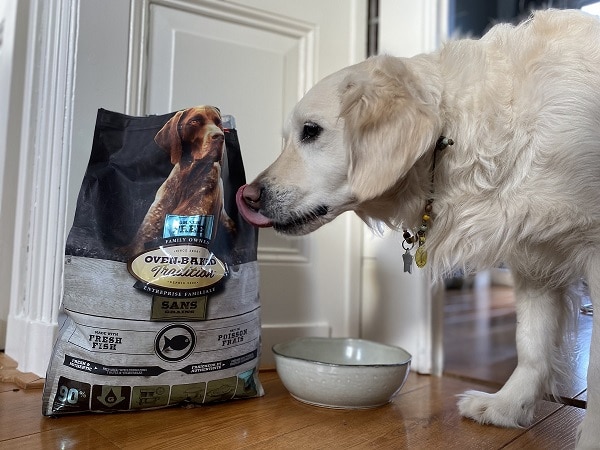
[194, 140]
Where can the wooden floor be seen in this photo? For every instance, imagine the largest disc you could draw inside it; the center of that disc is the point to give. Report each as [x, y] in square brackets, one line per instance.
[422, 416]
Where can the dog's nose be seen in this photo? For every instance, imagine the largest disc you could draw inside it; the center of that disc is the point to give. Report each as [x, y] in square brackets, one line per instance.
[247, 199]
[251, 195]
[217, 136]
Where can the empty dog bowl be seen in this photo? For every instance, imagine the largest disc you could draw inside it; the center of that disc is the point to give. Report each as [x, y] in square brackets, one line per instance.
[341, 372]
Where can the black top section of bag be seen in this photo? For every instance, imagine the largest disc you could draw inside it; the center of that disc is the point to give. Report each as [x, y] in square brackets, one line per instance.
[126, 169]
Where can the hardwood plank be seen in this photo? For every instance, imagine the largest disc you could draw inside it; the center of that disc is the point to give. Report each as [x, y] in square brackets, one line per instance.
[21, 415]
[5, 387]
[75, 437]
[6, 362]
[559, 431]
[10, 374]
[227, 425]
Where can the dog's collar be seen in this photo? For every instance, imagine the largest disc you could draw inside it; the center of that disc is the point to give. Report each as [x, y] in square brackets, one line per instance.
[419, 237]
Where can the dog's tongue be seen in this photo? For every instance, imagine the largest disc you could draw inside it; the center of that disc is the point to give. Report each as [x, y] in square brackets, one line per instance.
[252, 216]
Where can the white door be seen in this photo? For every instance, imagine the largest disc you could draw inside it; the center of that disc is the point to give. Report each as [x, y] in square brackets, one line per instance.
[253, 59]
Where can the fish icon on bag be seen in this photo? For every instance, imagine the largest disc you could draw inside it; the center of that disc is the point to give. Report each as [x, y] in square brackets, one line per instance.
[175, 342]
[179, 342]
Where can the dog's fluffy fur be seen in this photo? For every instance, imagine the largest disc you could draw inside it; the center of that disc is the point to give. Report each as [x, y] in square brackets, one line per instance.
[520, 186]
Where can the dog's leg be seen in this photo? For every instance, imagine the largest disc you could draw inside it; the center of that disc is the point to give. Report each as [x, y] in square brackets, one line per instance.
[540, 324]
[589, 436]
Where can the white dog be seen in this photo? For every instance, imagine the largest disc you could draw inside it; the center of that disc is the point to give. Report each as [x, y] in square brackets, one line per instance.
[520, 185]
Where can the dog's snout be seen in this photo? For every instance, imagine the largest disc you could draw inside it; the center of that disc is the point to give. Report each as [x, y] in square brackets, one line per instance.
[217, 136]
[252, 194]
[248, 201]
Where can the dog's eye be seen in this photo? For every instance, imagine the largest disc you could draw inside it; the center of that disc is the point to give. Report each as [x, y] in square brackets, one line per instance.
[310, 131]
[196, 121]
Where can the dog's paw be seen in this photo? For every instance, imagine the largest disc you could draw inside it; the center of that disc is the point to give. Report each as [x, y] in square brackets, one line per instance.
[495, 409]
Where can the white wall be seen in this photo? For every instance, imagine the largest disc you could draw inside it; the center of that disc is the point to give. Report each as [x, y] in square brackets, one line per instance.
[13, 39]
[92, 86]
[407, 27]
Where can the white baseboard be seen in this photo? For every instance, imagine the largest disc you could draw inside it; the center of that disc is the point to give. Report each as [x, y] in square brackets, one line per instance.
[30, 344]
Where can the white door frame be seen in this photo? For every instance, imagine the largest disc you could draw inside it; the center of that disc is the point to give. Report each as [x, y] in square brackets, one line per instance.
[39, 222]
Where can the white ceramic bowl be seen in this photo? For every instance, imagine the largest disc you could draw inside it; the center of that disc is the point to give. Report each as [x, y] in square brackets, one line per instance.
[341, 372]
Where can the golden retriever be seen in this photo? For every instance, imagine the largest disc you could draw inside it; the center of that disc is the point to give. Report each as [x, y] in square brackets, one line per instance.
[194, 140]
[520, 185]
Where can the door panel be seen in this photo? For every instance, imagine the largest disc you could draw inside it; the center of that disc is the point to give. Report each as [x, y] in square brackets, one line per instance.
[249, 70]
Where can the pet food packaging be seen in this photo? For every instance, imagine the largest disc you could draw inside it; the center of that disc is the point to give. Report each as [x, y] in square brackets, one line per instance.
[160, 303]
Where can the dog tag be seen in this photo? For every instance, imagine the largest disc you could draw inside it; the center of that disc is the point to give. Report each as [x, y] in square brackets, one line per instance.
[408, 260]
[421, 257]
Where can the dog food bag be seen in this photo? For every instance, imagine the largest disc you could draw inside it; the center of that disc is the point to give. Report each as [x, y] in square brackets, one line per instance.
[160, 302]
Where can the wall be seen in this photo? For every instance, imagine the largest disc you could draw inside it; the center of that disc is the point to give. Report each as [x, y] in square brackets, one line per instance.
[13, 42]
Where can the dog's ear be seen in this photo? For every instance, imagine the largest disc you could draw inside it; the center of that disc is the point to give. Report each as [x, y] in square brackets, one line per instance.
[168, 138]
[391, 121]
